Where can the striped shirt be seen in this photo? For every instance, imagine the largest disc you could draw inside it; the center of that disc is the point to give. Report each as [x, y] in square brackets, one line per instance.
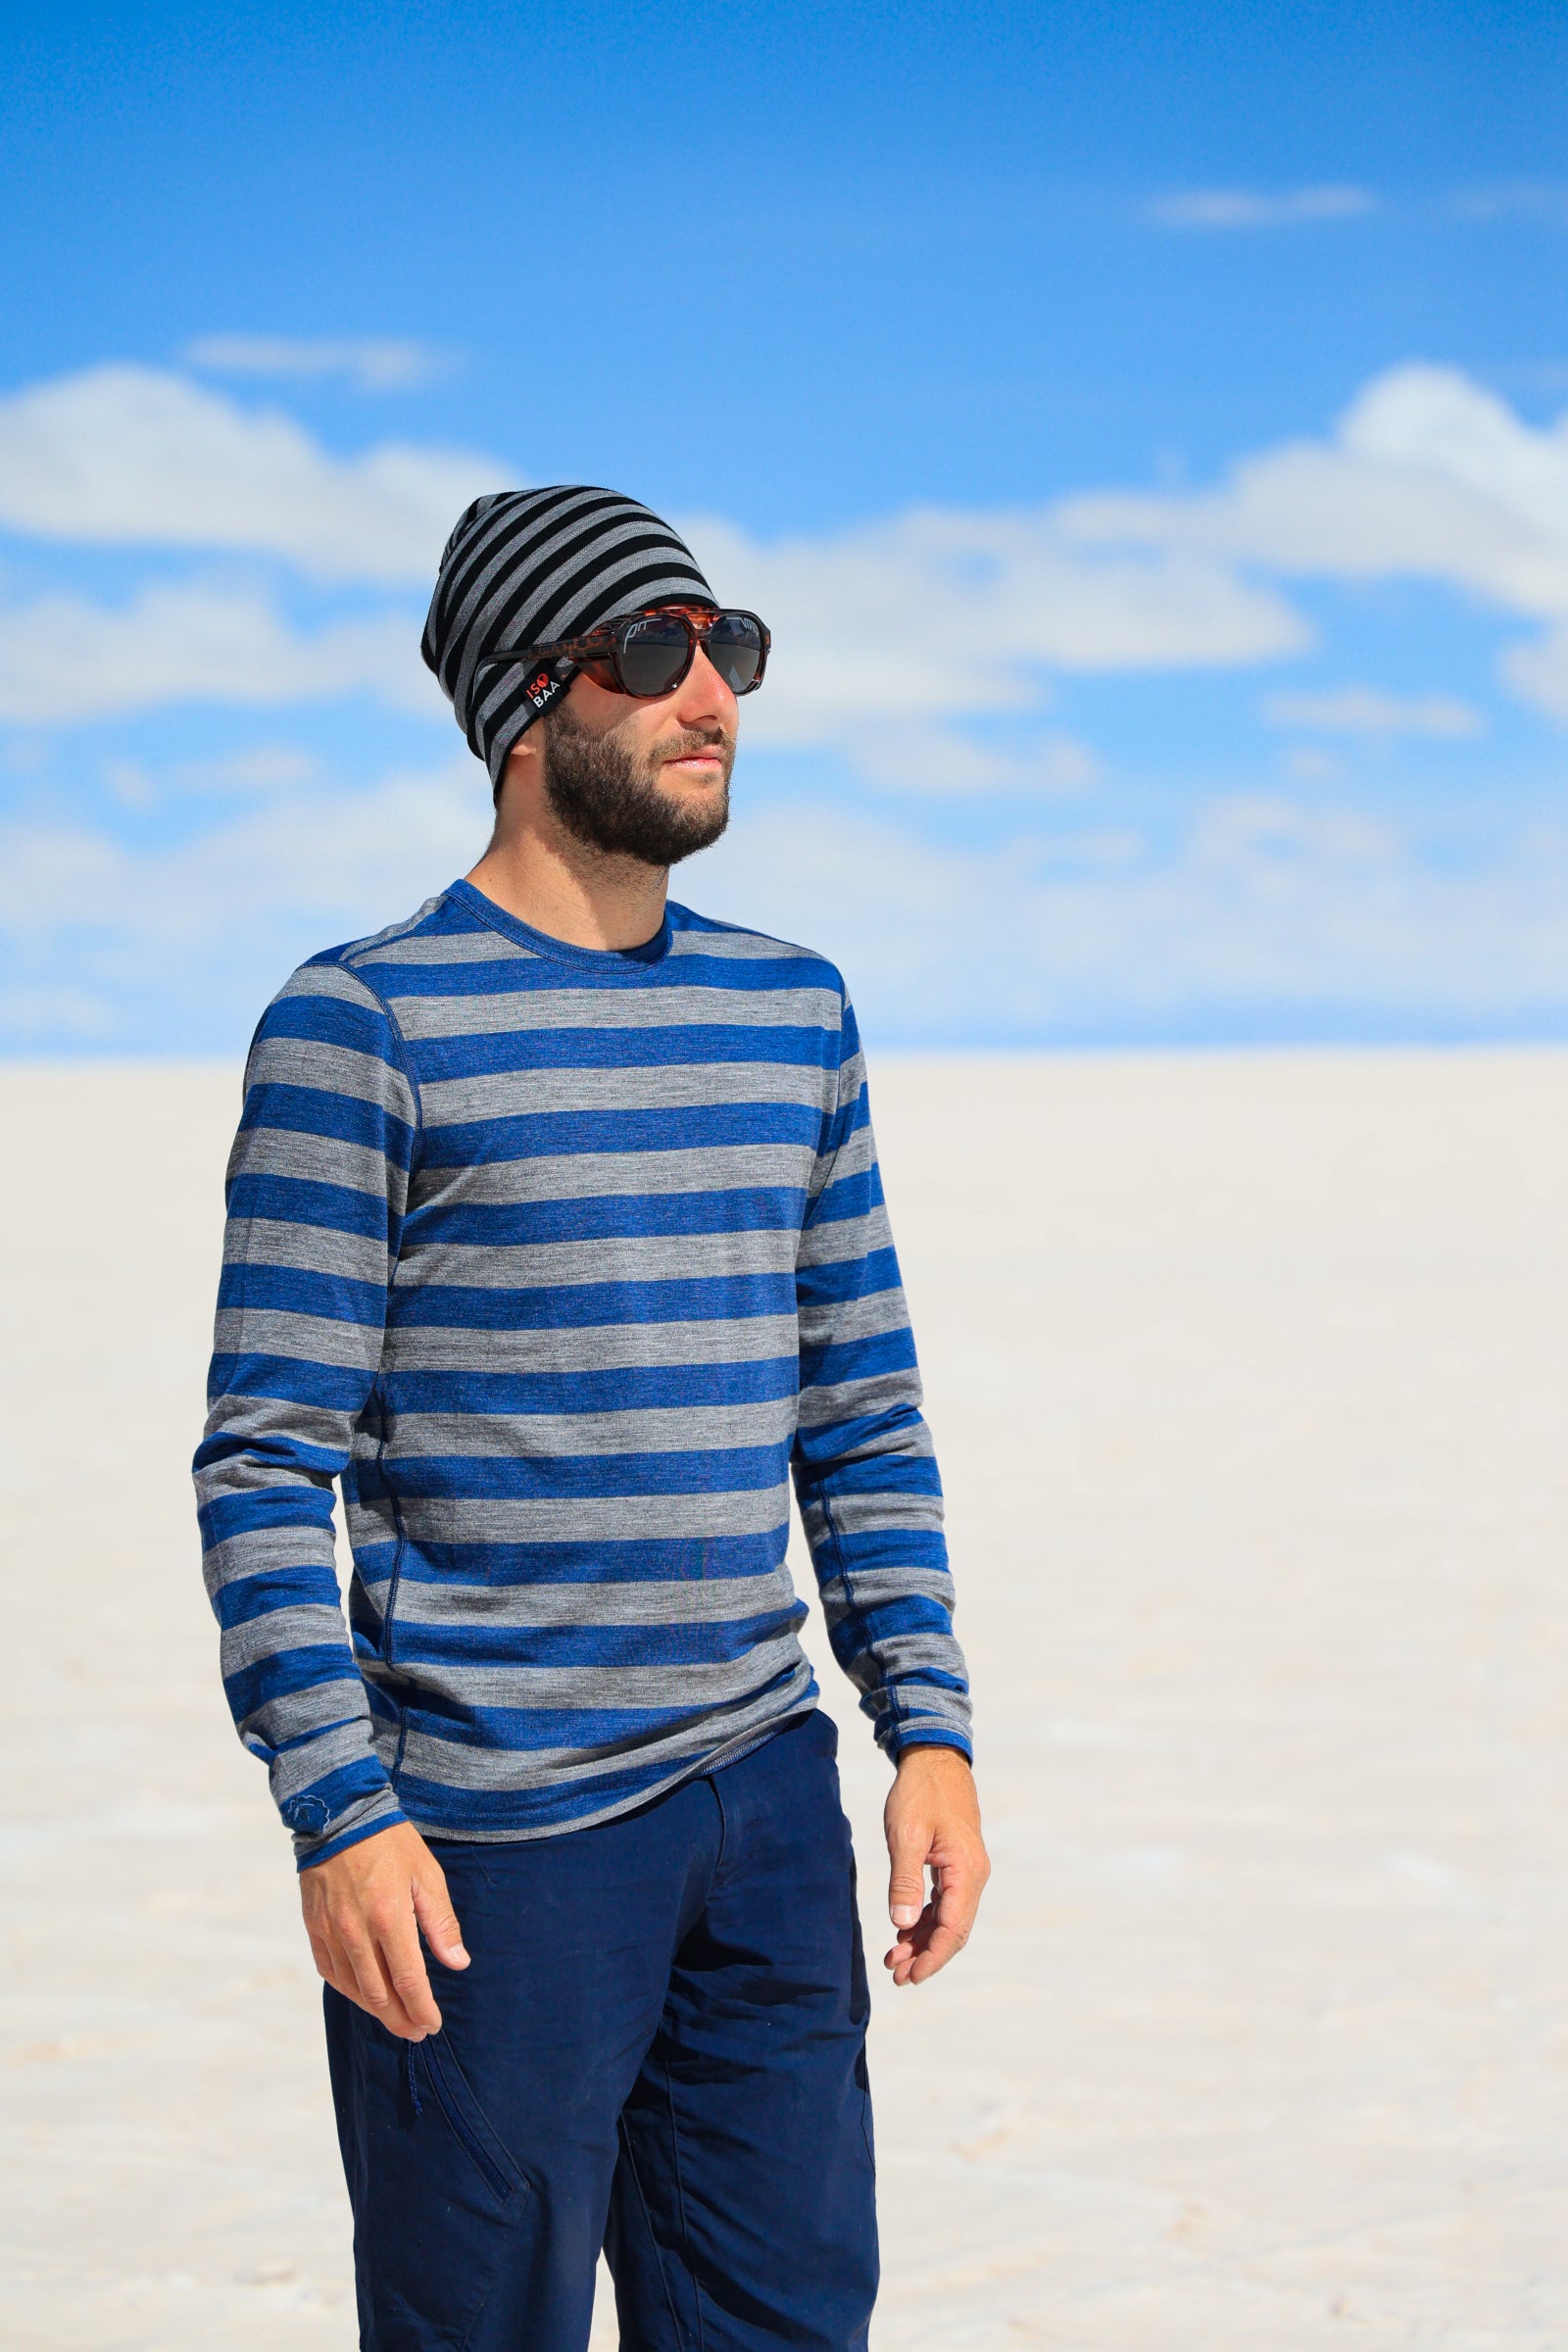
[561, 1261]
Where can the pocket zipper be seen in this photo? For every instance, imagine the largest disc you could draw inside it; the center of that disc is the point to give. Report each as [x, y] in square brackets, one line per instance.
[451, 2109]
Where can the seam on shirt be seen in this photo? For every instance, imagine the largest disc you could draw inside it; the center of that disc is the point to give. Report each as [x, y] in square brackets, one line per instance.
[405, 1058]
[572, 957]
[812, 1198]
[405, 1065]
[403, 1741]
[393, 1583]
[841, 1570]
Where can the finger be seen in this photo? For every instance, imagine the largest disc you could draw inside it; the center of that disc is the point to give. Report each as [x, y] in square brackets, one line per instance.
[381, 2001]
[906, 1961]
[366, 1985]
[909, 1940]
[403, 1968]
[945, 1944]
[939, 1934]
[327, 1962]
[907, 1943]
[908, 1848]
[337, 1970]
[946, 1930]
[432, 1908]
[333, 1963]
[957, 1898]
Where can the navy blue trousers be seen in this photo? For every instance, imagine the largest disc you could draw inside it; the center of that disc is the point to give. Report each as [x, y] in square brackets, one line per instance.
[659, 2047]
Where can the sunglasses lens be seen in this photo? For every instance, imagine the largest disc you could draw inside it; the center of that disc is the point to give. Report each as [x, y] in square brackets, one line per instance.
[734, 646]
[654, 654]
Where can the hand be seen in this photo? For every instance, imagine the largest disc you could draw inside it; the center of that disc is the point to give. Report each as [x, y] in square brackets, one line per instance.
[932, 1820]
[363, 1911]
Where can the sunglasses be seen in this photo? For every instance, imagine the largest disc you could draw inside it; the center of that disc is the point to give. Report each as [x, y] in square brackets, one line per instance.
[649, 653]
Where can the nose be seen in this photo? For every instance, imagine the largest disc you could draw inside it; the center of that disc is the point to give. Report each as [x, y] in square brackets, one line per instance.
[703, 698]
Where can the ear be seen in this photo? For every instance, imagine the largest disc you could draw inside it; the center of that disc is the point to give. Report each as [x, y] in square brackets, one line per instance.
[520, 783]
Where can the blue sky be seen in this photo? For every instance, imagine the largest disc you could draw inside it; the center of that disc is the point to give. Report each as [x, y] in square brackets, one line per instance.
[1138, 426]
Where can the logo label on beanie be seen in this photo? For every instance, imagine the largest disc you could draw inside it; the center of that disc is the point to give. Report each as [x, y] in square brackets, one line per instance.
[542, 690]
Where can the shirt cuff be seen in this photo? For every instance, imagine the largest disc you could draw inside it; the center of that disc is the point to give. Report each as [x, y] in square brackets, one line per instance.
[365, 1820]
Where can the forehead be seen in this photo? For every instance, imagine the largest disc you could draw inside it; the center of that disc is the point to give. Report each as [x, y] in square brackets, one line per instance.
[695, 607]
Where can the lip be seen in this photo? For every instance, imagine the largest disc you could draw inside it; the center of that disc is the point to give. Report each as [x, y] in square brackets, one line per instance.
[705, 762]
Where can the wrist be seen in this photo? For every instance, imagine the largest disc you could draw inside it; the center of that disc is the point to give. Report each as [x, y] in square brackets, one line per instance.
[932, 1755]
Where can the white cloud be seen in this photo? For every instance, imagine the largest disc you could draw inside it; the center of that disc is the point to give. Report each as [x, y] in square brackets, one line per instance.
[941, 615]
[935, 759]
[1428, 477]
[130, 456]
[889, 638]
[337, 862]
[1540, 673]
[1253, 207]
[264, 768]
[50, 1015]
[1366, 711]
[1529, 199]
[924, 620]
[181, 944]
[938, 615]
[1247, 830]
[371, 363]
[1309, 764]
[1266, 910]
[64, 660]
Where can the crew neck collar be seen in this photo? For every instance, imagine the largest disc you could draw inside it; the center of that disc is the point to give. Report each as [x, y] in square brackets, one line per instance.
[561, 950]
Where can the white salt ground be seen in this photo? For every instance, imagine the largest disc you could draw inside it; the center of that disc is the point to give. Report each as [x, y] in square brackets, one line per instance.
[1249, 1376]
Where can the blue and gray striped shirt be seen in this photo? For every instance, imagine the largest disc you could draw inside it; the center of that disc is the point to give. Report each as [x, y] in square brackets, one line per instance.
[561, 1261]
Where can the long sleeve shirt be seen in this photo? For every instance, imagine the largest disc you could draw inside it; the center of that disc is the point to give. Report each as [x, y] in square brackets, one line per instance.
[560, 1262]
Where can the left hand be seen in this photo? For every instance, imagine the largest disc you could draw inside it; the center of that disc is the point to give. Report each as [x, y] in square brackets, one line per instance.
[932, 1820]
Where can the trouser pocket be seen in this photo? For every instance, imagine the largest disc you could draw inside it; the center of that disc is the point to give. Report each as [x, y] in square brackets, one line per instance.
[437, 2198]
[469, 2122]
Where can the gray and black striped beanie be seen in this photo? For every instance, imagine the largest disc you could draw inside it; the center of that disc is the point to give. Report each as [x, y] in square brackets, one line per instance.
[525, 568]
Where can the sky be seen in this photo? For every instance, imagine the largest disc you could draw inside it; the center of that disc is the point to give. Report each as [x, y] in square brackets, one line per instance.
[1144, 430]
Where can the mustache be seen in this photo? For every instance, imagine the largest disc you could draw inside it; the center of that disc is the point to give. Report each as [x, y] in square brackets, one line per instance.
[693, 739]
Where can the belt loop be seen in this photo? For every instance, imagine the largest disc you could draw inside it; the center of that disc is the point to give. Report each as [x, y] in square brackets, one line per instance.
[414, 2079]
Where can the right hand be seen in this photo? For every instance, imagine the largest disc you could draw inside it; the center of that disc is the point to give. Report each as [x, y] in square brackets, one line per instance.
[364, 1912]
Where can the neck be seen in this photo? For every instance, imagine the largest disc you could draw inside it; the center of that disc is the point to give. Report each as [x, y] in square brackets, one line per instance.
[555, 883]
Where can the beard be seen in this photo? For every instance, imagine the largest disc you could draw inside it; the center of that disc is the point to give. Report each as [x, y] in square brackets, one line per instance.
[608, 794]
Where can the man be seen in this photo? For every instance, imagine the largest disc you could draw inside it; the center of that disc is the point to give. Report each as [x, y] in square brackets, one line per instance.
[556, 1237]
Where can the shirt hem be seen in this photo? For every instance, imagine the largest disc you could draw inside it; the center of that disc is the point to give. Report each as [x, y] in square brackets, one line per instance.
[698, 1768]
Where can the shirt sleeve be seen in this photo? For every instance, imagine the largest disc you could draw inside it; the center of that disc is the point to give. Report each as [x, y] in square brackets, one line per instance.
[318, 1183]
[864, 1468]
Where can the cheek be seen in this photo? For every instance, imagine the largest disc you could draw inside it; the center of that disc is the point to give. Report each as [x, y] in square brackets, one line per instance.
[651, 734]
[596, 705]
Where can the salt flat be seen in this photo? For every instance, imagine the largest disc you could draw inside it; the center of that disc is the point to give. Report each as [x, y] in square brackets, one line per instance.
[1249, 1378]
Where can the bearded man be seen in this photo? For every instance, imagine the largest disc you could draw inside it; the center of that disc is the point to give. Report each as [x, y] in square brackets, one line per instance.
[556, 1237]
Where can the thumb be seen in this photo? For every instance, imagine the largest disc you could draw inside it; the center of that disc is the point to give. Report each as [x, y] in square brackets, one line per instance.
[438, 1923]
[907, 1847]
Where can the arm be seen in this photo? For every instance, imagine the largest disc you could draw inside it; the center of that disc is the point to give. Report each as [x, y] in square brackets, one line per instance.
[870, 1501]
[317, 1184]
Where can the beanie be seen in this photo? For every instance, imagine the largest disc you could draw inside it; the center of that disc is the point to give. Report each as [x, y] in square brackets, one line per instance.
[526, 568]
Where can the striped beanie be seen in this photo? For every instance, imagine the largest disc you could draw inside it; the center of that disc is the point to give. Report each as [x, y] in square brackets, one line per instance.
[525, 568]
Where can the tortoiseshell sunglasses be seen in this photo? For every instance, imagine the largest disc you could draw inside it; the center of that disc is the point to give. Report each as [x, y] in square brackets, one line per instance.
[649, 653]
